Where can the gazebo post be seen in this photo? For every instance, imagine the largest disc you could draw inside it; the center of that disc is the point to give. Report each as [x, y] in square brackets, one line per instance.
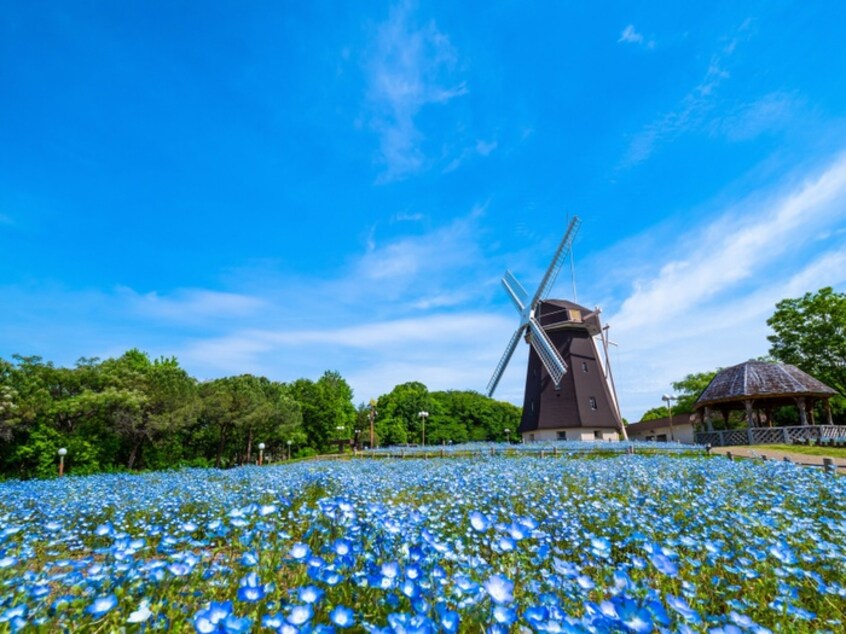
[811, 411]
[748, 405]
[828, 411]
[708, 421]
[725, 414]
[768, 412]
[803, 415]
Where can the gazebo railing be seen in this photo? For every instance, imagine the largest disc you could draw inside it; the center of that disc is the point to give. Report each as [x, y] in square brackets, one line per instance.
[770, 435]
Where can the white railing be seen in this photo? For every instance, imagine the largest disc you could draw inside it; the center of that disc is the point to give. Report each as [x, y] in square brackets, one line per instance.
[771, 435]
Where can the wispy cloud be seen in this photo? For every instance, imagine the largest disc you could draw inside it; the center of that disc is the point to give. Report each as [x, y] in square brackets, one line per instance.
[749, 120]
[480, 148]
[630, 36]
[409, 68]
[697, 108]
[191, 305]
[707, 306]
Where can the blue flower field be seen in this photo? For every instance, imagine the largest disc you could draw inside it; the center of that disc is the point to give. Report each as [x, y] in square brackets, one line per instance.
[628, 543]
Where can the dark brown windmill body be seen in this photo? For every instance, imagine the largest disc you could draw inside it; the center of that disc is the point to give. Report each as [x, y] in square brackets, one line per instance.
[583, 401]
[569, 391]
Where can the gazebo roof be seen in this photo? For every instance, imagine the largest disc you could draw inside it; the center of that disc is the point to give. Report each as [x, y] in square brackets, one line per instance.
[761, 380]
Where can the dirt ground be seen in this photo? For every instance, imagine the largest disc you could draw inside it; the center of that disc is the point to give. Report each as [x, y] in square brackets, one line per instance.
[774, 454]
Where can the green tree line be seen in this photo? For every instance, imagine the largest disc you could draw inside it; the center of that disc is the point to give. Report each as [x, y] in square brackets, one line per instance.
[134, 412]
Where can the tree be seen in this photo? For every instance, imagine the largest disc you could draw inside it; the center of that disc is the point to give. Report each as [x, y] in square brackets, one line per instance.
[326, 405]
[149, 399]
[687, 390]
[810, 333]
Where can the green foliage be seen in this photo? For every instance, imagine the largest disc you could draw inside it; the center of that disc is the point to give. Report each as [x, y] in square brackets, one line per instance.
[454, 416]
[655, 413]
[810, 333]
[689, 388]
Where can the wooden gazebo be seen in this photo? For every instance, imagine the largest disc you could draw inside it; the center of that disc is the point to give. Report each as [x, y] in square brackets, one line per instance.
[757, 385]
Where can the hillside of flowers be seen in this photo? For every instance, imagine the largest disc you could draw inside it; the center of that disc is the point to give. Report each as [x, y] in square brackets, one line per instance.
[631, 543]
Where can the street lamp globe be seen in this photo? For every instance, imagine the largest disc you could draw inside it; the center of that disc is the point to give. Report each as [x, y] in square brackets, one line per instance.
[63, 452]
[261, 446]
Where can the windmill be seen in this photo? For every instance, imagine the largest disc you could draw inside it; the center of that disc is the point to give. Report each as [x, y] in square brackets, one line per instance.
[569, 390]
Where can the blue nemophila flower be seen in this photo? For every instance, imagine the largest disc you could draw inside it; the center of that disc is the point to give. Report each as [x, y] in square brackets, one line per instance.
[683, 608]
[102, 605]
[342, 547]
[250, 588]
[273, 621]
[664, 564]
[342, 616]
[500, 589]
[300, 614]
[211, 619]
[601, 547]
[310, 594]
[479, 521]
[141, 614]
[504, 615]
[299, 551]
[235, 625]
[179, 569]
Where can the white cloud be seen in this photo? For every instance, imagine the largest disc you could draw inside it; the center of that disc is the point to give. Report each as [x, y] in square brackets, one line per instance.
[630, 35]
[192, 304]
[408, 69]
[707, 305]
[481, 148]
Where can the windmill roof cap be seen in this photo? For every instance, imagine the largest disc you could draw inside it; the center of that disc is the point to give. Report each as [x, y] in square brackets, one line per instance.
[761, 379]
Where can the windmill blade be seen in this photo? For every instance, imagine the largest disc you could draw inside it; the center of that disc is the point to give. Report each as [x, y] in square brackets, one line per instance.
[506, 357]
[552, 361]
[557, 260]
[515, 290]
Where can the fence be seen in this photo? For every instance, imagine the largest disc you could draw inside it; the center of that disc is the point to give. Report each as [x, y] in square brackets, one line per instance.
[542, 449]
[771, 435]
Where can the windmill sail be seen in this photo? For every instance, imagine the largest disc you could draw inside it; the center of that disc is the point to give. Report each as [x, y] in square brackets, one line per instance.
[552, 361]
[557, 260]
[506, 357]
[515, 290]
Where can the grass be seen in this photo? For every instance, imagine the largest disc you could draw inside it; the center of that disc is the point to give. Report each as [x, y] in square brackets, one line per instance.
[831, 452]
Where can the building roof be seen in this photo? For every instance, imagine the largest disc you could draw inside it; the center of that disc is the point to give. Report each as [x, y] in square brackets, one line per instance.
[761, 380]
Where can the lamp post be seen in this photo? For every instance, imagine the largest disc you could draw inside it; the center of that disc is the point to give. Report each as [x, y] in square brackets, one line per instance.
[669, 398]
[372, 416]
[261, 453]
[507, 434]
[423, 416]
[62, 453]
[289, 449]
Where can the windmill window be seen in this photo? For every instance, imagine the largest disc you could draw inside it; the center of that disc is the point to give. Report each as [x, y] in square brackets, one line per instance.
[562, 435]
[584, 366]
[592, 402]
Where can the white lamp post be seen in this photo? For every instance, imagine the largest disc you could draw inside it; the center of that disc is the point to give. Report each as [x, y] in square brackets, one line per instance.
[62, 453]
[261, 452]
[423, 416]
[669, 398]
[507, 434]
[289, 449]
[372, 417]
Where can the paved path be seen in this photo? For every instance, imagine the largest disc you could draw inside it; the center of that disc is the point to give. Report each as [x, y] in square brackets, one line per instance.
[775, 454]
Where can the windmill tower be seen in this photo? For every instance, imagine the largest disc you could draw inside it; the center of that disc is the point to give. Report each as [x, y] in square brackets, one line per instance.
[569, 387]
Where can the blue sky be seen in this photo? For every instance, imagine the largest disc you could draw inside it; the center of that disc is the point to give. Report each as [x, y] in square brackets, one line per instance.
[285, 188]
